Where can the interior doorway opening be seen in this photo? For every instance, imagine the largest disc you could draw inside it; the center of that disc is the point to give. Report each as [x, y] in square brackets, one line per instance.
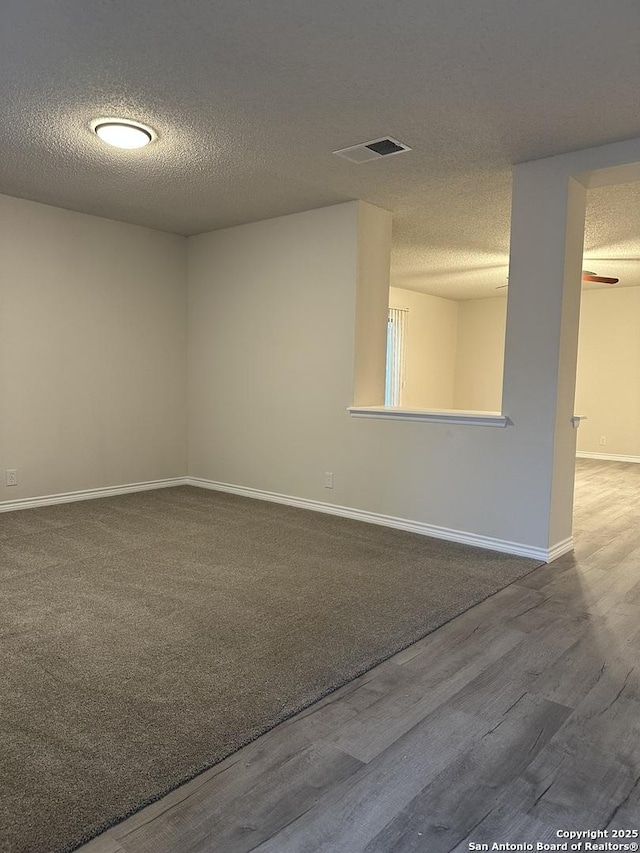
[608, 360]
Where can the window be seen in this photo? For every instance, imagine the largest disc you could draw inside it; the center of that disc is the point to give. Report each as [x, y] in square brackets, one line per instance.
[396, 360]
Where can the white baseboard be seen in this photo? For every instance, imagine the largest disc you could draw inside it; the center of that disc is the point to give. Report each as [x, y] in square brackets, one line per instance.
[559, 549]
[545, 555]
[89, 494]
[608, 457]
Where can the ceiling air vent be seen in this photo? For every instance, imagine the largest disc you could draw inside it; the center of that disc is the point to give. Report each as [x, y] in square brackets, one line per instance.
[374, 150]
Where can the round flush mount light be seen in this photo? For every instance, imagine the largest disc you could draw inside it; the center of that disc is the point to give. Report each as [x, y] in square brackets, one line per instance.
[122, 133]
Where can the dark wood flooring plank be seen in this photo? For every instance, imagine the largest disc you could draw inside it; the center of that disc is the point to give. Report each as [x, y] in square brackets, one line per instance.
[598, 654]
[590, 768]
[505, 824]
[504, 682]
[575, 782]
[498, 608]
[269, 802]
[358, 809]
[466, 792]
[228, 780]
[426, 686]
[626, 815]
[104, 843]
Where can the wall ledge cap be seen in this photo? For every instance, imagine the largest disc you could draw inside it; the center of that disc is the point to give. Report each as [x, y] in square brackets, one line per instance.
[442, 416]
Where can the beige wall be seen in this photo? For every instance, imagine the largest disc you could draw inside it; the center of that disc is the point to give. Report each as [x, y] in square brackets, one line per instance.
[480, 354]
[455, 351]
[430, 348]
[608, 382]
[92, 351]
[608, 378]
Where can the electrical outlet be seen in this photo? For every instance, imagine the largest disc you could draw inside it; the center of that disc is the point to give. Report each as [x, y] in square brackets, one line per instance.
[603, 440]
[12, 476]
[328, 480]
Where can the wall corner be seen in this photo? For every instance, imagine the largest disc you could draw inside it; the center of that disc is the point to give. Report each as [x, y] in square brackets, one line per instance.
[372, 304]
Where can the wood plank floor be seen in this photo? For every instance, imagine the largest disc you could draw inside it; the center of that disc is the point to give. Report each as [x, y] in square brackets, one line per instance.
[517, 719]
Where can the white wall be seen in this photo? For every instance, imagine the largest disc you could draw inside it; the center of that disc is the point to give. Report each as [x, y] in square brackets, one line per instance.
[480, 354]
[608, 381]
[271, 355]
[432, 331]
[92, 351]
[373, 260]
[271, 351]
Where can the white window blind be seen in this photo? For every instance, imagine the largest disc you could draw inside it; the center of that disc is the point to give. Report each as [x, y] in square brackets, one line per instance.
[396, 346]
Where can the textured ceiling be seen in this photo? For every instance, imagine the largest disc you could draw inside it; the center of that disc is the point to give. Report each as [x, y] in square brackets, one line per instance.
[250, 98]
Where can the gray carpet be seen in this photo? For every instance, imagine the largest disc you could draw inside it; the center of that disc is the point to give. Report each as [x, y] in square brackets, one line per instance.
[147, 636]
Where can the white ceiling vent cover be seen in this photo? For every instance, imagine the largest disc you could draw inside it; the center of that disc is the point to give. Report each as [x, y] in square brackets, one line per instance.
[386, 146]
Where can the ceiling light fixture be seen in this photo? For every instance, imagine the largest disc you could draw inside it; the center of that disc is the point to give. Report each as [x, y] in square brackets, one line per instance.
[122, 133]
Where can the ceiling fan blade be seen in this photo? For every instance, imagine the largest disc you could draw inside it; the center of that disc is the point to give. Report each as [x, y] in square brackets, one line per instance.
[601, 279]
[587, 275]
